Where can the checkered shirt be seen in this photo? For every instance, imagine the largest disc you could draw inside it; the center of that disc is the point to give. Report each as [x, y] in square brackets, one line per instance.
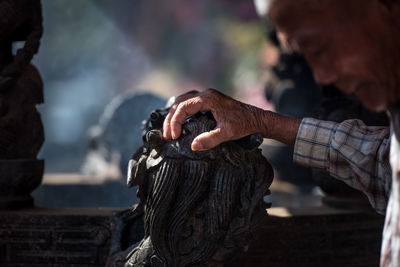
[350, 151]
[359, 156]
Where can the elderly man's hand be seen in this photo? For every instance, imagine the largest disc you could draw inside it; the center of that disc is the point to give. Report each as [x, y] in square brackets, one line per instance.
[234, 119]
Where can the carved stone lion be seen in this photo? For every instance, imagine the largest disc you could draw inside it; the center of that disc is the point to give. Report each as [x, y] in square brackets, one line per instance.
[199, 207]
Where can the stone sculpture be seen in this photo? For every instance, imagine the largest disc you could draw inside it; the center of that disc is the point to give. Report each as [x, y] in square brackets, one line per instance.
[117, 132]
[21, 89]
[199, 207]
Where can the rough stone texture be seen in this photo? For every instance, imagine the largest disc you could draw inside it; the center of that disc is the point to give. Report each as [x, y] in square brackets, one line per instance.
[48, 237]
[311, 237]
[199, 207]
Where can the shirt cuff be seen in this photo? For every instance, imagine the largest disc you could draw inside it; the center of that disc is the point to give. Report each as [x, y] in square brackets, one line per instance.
[313, 142]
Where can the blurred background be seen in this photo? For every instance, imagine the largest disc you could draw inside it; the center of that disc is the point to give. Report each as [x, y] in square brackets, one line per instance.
[107, 64]
[95, 50]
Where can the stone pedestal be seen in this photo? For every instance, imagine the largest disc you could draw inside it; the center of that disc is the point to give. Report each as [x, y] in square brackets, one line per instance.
[18, 178]
[312, 237]
[44, 237]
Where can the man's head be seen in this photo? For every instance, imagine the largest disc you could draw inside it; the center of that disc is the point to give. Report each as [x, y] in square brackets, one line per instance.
[351, 43]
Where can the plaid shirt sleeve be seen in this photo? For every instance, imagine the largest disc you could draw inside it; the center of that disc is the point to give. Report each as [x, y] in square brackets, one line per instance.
[350, 151]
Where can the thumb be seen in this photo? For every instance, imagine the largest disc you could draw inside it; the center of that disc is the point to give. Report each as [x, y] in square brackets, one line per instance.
[208, 140]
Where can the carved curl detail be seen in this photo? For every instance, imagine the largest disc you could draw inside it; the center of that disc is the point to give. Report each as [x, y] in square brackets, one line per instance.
[199, 207]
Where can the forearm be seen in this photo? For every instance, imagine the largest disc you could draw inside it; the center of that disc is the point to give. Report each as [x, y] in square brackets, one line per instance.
[279, 127]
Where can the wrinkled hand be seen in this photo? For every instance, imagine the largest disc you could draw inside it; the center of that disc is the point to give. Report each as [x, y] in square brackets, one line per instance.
[234, 119]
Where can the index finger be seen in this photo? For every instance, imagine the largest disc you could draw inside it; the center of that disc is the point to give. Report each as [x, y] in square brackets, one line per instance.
[167, 120]
[167, 123]
[184, 109]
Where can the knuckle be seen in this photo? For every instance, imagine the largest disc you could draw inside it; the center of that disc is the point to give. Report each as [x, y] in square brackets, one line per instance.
[181, 107]
[193, 101]
[200, 100]
[210, 92]
[171, 112]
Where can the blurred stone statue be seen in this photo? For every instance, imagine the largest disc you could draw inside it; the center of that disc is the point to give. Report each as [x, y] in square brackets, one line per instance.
[117, 134]
[200, 208]
[21, 89]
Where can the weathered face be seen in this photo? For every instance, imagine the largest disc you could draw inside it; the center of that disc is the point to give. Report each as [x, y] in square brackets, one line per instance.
[352, 44]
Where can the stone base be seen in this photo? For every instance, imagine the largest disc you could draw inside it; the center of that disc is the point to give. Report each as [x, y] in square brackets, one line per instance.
[55, 237]
[314, 236]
